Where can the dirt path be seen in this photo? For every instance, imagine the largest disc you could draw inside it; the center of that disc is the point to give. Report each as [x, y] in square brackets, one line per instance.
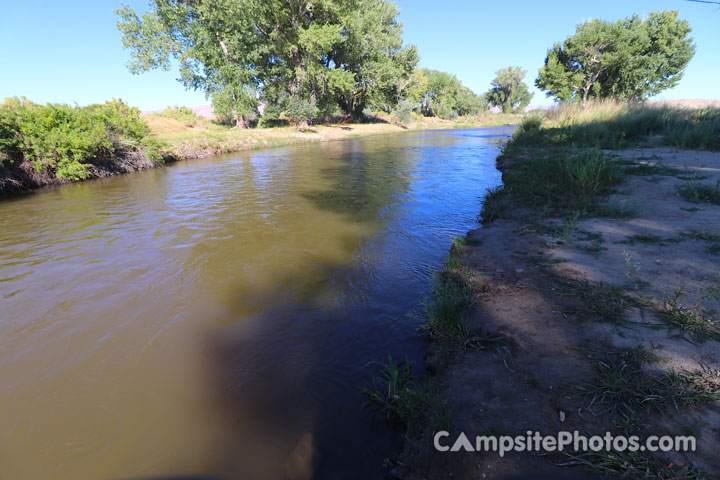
[568, 300]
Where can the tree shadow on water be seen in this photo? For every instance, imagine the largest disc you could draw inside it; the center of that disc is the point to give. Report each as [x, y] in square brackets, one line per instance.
[284, 386]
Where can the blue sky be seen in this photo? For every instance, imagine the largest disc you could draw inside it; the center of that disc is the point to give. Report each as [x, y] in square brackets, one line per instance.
[70, 52]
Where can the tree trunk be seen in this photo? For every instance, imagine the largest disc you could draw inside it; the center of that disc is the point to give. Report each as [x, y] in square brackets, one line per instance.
[241, 122]
[302, 125]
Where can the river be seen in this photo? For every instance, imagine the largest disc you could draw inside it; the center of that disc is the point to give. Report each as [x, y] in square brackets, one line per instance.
[216, 317]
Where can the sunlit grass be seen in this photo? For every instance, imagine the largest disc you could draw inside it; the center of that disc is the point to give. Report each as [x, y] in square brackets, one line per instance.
[610, 124]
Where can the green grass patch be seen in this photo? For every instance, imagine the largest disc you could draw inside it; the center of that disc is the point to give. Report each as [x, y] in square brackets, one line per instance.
[618, 210]
[626, 389]
[446, 309]
[497, 203]
[694, 177]
[596, 239]
[461, 241]
[703, 235]
[565, 182]
[594, 248]
[648, 239]
[408, 403]
[599, 300]
[696, 192]
[692, 320]
[633, 239]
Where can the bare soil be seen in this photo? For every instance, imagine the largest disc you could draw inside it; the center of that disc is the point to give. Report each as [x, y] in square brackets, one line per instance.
[549, 344]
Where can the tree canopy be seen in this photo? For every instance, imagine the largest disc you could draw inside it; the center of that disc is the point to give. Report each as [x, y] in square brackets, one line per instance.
[508, 91]
[631, 59]
[441, 94]
[341, 55]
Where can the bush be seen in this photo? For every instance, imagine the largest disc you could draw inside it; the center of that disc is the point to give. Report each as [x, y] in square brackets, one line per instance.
[301, 112]
[403, 112]
[182, 114]
[272, 115]
[532, 122]
[64, 141]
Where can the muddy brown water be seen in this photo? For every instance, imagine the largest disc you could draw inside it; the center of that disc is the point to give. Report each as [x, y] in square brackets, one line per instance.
[216, 317]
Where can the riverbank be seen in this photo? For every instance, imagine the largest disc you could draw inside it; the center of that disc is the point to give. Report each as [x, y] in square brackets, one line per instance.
[172, 139]
[197, 137]
[591, 297]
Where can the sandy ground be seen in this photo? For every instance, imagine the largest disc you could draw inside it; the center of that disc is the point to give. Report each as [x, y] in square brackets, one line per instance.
[549, 344]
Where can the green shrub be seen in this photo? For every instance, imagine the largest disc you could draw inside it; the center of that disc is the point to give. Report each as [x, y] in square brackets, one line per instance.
[403, 113]
[531, 124]
[272, 115]
[182, 114]
[301, 112]
[64, 141]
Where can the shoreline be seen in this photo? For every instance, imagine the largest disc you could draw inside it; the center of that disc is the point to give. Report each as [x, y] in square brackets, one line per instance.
[188, 142]
[561, 304]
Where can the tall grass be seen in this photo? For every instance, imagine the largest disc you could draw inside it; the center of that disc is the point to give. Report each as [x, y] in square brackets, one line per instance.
[574, 181]
[446, 309]
[610, 124]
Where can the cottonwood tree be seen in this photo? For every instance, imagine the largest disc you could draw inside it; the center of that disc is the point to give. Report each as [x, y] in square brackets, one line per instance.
[334, 53]
[438, 99]
[508, 91]
[631, 59]
[441, 94]
[468, 102]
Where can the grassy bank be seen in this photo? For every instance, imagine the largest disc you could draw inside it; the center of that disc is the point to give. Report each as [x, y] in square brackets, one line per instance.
[588, 301]
[622, 125]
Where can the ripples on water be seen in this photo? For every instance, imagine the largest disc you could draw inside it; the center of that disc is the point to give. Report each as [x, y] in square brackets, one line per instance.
[216, 317]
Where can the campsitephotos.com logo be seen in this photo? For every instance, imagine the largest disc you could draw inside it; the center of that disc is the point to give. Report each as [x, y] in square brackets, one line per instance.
[562, 441]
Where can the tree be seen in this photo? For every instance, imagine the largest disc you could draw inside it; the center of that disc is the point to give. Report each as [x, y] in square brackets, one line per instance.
[439, 96]
[631, 59]
[468, 103]
[508, 90]
[335, 53]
